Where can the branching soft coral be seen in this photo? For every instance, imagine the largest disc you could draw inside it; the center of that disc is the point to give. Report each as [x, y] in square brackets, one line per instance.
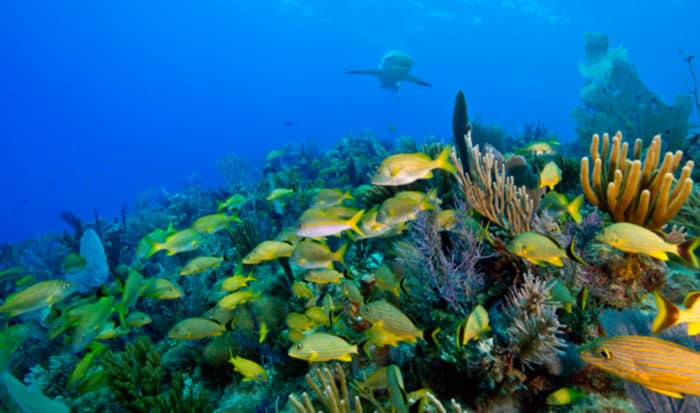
[450, 271]
[492, 192]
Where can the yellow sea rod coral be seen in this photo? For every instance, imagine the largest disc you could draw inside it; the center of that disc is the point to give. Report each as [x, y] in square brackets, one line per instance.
[633, 191]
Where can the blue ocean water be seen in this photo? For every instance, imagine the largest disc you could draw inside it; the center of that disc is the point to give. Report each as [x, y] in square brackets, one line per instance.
[103, 101]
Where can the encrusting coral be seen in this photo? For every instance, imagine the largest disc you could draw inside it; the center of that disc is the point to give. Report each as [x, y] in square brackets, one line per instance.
[492, 192]
[631, 190]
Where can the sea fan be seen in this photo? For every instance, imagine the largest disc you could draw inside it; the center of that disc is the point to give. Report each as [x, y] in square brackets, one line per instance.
[535, 330]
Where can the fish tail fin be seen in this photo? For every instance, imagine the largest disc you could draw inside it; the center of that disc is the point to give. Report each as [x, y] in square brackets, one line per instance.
[574, 209]
[153, 247]
[234, 217]
[347, 195]
[431, 336]
[443, 160]
[667, 316]
[352, 223]
[339, 254]
[571, 252]
[428, 203]
[686, 251]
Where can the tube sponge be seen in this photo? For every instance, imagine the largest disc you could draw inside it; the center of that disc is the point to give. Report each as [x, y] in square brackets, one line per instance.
[96, 271]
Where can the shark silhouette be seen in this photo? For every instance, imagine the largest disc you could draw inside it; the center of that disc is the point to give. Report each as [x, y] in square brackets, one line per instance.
[394, 68]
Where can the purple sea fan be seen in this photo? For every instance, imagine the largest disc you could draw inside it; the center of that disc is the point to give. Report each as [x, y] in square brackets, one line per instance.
[535, 331]
[443, 264]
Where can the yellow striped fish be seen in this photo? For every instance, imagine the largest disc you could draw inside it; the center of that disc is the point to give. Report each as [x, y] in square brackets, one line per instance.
[394, 320]
[659, 365]
[322, 347]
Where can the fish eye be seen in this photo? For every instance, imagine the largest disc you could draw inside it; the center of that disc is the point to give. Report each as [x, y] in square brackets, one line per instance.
[298, 346]
[605, 353]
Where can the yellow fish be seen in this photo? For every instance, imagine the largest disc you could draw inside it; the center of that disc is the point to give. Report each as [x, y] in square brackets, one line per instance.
[92, 323]
[310, 255]
[110, 331]
[237, 282]
[550, 175]
[73, 263]
[323, 276]
[669, 315]
[639, 240]
[387, 280]
[83, 366]
[235, 201]
[131, 293]
[268, 251]
[250, 370]
[565, 396]
[446, 219]
[195, 329]
[43, 294]
[181, 241]
[157, 235]
[659, 365]
[538, 148]
[476, 325]
[137, 319]
[405, 168]
[262, 332]
[540, 250]
[380, 336]
[316, 223]
[295, 335]
[322, 347]
[320, 316]
[325, 198]
[405, 206]
[300, 322]
[160, 289]
[279, 193]
[557, 204]
[371, 228]
[201, 264]
[394, 320]
[288, 235]
[558, 291]
[350, 290]
[237, 298]
[301, 290]
[213, 223]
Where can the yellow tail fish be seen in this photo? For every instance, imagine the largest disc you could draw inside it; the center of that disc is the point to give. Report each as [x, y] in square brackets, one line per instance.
[669, 315]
